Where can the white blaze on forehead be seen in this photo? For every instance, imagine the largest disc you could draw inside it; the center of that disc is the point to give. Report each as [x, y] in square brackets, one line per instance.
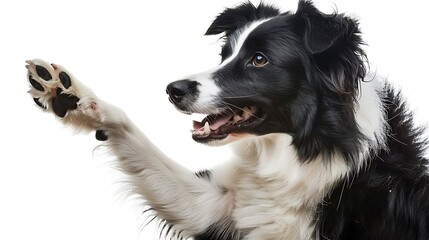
[239, 39]
[207, 88]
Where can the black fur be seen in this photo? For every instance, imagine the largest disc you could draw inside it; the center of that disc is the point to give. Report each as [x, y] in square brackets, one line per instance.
[204, 174]
[224, 229]
[390, 199]
[309, 90]
[235, 18]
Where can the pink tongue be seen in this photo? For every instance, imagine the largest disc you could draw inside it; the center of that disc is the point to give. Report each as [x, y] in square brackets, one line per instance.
[218, 122]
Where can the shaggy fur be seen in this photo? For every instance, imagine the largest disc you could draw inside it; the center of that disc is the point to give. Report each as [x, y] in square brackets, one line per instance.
[323, 149]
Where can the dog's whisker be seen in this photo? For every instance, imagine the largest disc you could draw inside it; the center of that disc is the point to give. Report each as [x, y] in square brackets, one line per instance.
[242, 96]
[230, 105]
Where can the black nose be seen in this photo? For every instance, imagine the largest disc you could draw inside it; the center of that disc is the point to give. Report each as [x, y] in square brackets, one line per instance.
[179, 89]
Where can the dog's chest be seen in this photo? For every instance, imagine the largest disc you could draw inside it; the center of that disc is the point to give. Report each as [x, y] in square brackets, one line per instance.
[275, 194]
[268, 210]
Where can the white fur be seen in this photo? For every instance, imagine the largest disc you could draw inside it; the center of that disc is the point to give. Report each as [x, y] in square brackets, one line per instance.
[208, 91]
[370, 115]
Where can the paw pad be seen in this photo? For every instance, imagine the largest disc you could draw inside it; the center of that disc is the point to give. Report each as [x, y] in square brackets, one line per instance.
[43, 73]
[35, 84]
[101, 135]
[63, 102]
[65, 79]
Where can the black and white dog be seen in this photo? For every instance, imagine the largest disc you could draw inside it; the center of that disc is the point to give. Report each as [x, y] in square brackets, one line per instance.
[323, 149]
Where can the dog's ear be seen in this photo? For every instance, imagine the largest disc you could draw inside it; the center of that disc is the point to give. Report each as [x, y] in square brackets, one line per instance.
[334, 43]
[322, 31]
[234, 18]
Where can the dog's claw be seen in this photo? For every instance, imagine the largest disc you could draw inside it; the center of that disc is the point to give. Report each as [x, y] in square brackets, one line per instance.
[37, 101]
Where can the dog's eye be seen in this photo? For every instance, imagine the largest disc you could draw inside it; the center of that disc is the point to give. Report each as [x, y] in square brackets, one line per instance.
[259, 60]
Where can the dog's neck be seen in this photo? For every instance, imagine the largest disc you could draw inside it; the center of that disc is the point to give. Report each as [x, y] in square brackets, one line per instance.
[273, 156]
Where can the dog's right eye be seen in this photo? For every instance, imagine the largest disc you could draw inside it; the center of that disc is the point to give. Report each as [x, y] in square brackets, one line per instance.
[259, 60]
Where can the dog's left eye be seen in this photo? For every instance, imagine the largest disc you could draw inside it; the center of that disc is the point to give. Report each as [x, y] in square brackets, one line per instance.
[259, 60]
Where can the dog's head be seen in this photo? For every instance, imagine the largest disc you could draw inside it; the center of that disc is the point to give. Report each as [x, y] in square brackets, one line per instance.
[295, 73]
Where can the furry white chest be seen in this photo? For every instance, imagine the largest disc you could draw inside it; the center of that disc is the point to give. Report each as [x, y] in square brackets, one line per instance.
[274, 193]
[264, 212]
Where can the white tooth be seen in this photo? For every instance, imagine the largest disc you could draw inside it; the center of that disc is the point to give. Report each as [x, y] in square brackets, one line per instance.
[237, 118]
[207, 128]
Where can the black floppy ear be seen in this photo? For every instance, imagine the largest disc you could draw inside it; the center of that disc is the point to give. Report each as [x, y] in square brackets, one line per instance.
[234, 18]
[321, 31]
[334, 44]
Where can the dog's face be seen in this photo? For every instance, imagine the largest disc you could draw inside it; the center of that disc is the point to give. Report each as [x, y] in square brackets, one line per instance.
[265, 82]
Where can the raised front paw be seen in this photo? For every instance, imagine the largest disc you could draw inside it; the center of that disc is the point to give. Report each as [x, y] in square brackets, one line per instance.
[51, 87]
[56, 90]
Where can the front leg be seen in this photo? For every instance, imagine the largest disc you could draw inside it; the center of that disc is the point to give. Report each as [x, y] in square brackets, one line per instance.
[190, 203]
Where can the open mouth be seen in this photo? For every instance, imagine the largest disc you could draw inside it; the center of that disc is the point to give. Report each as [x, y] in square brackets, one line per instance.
[219, 126]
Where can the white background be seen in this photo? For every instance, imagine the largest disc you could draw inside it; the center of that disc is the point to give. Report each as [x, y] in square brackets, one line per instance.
[53, 184]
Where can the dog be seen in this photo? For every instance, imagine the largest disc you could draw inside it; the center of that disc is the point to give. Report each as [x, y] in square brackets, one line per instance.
[323, 148]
